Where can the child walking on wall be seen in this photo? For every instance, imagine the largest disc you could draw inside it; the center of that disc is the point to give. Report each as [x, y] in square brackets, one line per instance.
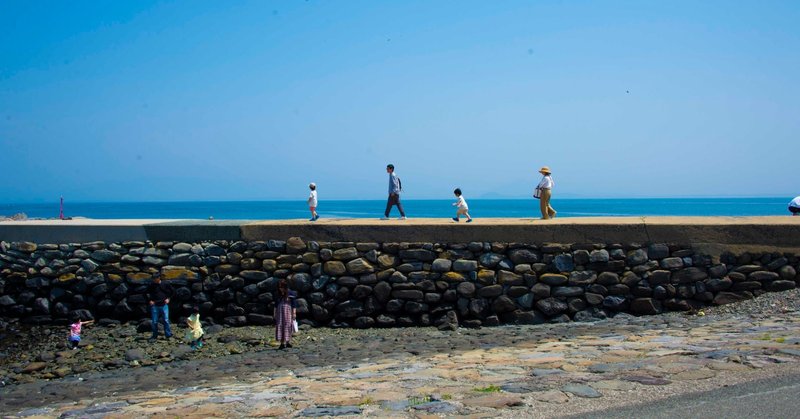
[312, 202]
[462, 208]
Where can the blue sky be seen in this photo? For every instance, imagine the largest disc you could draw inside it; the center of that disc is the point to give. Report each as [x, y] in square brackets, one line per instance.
[209, 100]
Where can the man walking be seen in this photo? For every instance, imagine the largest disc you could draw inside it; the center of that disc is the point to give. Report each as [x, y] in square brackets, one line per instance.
[395, 187]
[159, 294]
[544, 193]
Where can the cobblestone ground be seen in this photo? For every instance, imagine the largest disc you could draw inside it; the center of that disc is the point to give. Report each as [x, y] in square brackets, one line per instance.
[513, 371]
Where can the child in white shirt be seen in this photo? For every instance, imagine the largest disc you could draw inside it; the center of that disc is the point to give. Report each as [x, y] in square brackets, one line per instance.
[462, 209]
[312, 202]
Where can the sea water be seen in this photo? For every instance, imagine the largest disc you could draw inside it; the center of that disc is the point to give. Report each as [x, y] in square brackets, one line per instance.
[414, 208]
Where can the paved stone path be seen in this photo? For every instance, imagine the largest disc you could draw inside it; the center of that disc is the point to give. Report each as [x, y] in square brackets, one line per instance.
[539, 371]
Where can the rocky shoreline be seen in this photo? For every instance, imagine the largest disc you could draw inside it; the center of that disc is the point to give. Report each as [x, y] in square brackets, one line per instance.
[30, 352]
[16, 217]
[528, 365]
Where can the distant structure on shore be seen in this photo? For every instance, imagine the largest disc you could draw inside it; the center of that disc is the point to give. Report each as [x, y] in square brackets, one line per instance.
[16, 217]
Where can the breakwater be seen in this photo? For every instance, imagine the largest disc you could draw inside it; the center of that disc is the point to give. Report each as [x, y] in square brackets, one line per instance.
[389, 283]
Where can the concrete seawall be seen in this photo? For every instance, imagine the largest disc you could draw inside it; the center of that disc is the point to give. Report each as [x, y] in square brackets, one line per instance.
[370, 273]
[731, 233]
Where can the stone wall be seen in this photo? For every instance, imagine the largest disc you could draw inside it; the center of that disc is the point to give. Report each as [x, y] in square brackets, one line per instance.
[380, 284]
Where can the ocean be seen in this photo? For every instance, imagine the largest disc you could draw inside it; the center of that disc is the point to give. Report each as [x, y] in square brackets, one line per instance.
[479, 208]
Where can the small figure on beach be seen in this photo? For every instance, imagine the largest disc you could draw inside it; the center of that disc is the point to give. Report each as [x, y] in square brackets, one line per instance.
[285, 314]
[395, 187]
[158, 294]
[543, 192]
[461, 206]
[794, 206]
[194, 336]
[312, 201]
[75, 330]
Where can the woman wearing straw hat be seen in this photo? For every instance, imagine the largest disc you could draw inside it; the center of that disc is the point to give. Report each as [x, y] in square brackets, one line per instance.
[543, 192]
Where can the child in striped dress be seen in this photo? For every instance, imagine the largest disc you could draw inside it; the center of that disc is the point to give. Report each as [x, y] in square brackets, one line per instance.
[285, 314]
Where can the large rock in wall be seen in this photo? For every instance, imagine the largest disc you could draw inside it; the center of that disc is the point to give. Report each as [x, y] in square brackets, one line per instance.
[348, 284]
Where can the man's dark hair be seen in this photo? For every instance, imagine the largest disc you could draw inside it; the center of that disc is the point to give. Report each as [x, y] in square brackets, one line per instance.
[457, 191]
[390, 166]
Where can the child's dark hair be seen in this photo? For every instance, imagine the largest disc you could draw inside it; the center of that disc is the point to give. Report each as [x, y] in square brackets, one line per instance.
[75, 317]
[283, 288]
[195, 310]
[457, 191]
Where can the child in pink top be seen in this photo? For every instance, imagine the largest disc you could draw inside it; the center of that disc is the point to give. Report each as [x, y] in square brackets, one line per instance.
[75, 330]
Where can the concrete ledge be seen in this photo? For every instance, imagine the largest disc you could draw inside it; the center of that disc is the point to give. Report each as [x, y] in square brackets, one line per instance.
[194, 231]
[762, 232]
[772, 232]
[86, 230]
[74, 231]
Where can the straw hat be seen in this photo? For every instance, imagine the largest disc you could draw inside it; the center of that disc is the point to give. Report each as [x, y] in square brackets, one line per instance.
[544, 170]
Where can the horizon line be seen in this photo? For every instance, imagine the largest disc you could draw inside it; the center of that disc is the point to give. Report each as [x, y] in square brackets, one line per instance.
[569, 197]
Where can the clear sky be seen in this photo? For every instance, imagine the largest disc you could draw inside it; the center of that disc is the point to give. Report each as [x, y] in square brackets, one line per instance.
[217, 100]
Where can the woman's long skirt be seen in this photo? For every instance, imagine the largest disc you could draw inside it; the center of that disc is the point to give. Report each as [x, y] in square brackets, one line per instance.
[283, 322]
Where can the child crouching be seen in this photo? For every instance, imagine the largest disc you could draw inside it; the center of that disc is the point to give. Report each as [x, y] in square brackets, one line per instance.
[194, 336]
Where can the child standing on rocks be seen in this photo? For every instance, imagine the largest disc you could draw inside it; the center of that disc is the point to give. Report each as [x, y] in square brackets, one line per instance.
[462, 209]
[75, 330]
[195, 333]
[312, 201]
